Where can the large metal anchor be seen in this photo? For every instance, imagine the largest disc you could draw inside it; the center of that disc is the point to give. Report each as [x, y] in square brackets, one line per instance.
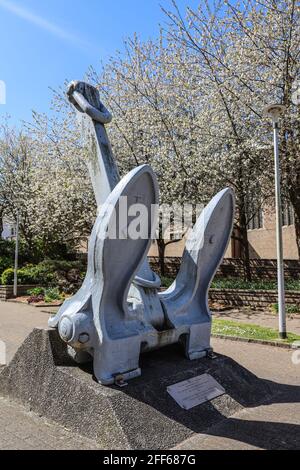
[118, 313]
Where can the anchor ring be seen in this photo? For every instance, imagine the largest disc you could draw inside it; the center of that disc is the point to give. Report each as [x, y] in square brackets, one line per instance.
[75, 93]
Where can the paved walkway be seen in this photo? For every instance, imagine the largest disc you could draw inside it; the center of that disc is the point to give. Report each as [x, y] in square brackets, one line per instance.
[23, 430]
[17, 321]
[273, 425]
[19, 428]
[259, 317]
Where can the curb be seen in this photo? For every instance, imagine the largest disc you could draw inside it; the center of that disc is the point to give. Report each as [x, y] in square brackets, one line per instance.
[255, 341]
[43, 305]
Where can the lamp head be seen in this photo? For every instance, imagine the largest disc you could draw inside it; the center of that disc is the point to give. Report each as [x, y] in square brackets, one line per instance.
[274, 111]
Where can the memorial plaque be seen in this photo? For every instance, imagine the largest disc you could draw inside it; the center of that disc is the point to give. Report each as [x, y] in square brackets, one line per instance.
[194, 391]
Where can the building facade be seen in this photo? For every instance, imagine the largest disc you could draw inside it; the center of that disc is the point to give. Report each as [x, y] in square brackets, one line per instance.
[261, 237]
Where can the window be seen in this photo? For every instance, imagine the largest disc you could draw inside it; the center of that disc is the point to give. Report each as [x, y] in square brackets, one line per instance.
[288, 217]
[256, 220]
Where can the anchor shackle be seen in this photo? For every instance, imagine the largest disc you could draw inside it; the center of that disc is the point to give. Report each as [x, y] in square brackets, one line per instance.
[86, 99]
[76, 330]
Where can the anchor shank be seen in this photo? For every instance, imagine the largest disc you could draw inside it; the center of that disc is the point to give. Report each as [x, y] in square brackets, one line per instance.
[104, 175]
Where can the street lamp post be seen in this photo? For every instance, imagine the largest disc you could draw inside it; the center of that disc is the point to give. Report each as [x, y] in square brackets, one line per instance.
[15, 292]
[274, 111]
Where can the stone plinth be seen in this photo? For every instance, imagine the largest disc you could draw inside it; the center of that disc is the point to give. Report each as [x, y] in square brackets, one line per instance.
[139, 416]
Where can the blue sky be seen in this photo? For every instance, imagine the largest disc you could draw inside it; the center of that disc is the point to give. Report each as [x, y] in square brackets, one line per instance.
[44, 42]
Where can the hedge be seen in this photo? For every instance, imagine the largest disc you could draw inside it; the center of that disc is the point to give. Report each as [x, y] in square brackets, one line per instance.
[45, 273]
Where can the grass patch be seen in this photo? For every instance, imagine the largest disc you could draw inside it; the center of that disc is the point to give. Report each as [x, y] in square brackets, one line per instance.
[249, 331]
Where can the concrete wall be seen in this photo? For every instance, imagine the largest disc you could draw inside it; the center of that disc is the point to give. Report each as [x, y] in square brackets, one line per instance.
[174, 249]
[263, 241]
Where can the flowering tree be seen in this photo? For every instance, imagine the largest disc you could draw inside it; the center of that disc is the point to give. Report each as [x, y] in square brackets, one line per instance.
[172, 110]
[191, 105]
[269, 40]
[247, 55]
[153, 120]
[16, 188]
[44, 180]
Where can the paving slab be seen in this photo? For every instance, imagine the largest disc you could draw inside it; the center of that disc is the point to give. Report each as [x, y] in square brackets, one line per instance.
[274, 424]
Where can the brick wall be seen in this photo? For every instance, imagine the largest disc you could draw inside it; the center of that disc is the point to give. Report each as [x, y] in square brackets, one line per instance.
[6, 292]
[258, 298]
[260, 268]
[231, 267]
[172, 265]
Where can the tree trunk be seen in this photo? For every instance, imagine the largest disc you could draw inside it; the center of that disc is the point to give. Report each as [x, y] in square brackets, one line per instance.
[161, 255]
[244, 245]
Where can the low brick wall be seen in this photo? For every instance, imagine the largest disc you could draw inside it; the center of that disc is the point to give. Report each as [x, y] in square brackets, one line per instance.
[6, 292]
[172, 265]
[260, 268]
[258, 298]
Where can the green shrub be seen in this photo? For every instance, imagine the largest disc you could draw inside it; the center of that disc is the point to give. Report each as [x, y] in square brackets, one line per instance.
[292, 308]
[52, 294]
[24, 277]
[5, 262]
[40, 274]
[7, 277]
[67, 275]
[289, 308]
[7, 249]
[36, 291]
[48, 272]
[292, 284]
[236, 283]
[48, 295]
